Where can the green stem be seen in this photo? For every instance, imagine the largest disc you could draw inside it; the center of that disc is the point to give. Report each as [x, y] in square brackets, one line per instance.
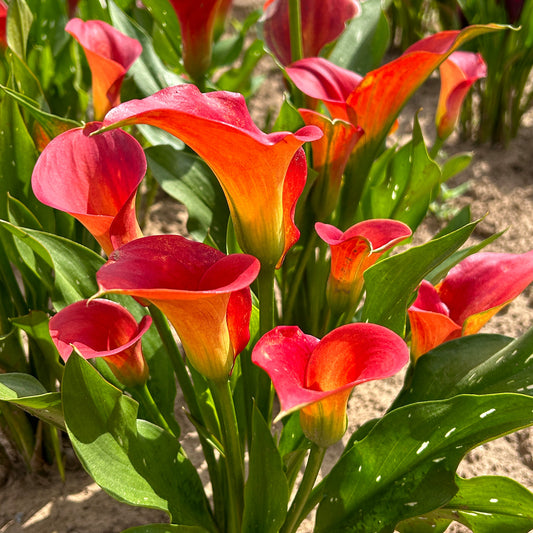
[295, 28]
[295, 514]
[144, 396]
[233, 457]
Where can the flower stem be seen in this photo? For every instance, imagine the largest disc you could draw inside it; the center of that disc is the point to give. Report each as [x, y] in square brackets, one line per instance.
[144, 396]
[295, 515]
[233, 458]
[295, 28]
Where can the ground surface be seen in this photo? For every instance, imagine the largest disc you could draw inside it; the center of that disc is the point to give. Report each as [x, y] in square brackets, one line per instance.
[501, 188]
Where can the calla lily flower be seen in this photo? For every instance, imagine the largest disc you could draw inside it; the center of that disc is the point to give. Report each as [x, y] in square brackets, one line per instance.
[262, 175]
[204, 293]
[95, 179]
[317, 377]
[322, 22]
[110, 54]
[468, 297]
[330, 156]
[458, 73]
[101, 328]
[197, 24]
[514, 9]
[352, 252]
[376, 101]
[3, 21]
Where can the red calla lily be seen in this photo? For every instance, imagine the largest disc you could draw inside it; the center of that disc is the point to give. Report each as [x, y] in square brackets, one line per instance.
[110, 54]
[3, 21]
[262, 175]
[95, 179]
[330, 156]
[458, 73]
[468, 297]
[101, 328]
[317, 376]
[352, 252]
[204, 293]
[321, 79]
[322, 22]
[197, 24]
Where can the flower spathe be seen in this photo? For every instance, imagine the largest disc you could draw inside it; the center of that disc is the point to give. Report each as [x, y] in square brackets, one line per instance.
[204, 293]
[458, 73]
[197, 23]
[262, 175]
[101, 328]
[322, 22]
[468, 297]
[3, 21]
[110, 54]
[95, 179]
[352, 252]
[317, 376]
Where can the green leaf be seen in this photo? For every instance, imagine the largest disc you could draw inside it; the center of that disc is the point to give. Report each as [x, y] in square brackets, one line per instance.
[74, 265]
[406, 464]
[391, 283]
[455, 164]
[404, 188]
[363, 43]
[148, 71]
[484, 504]
[19, 21]
[52, 124]
[133, 460]
[185, 177]
[26, 392]
[266, 493]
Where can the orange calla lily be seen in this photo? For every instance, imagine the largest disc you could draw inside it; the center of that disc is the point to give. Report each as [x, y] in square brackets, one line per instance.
[110, 54]
[262, 175]
[458, 73]
[468, 297]
[317, 377]
[352, 252]
[204, 293]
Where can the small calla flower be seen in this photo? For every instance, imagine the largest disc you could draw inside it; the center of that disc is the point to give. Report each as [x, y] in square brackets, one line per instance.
[330, 156]
[317, 376]
[458, 73]
[514, 9]
[322, 22]
[352, 252]
[197, 24]
[204, 293]
[262, 175]
[101, 328]
[110, 54]
[95, 179]
[468, 297]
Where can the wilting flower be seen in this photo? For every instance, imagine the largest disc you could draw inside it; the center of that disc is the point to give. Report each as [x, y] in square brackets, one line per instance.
[95, 179]
[197, 24]
[352, 252]
[468, 297]
[317, 376]
[3, 20]
[330, 156]
[262, 175]
[110, 54]
[101, 328]
[204, 293]
[322, 22]
[458, 73]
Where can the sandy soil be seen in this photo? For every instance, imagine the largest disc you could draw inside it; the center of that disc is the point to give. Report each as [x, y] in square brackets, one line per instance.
[501, 188]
